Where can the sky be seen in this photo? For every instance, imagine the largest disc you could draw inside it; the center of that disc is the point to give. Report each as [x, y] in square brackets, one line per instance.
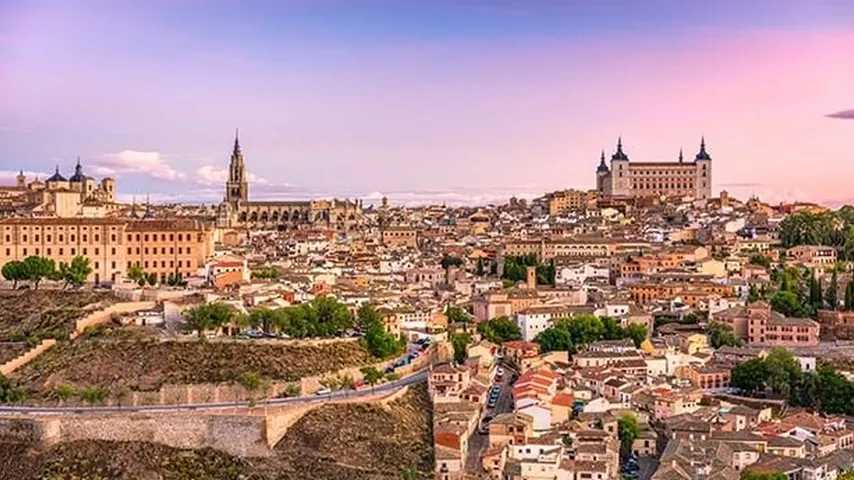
[460, 102]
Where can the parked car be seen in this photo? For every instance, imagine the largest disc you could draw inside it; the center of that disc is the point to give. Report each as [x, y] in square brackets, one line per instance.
[324, 391]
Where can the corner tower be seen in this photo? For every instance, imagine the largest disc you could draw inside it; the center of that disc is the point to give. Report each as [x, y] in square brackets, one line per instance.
[703, 173]
[237, 187]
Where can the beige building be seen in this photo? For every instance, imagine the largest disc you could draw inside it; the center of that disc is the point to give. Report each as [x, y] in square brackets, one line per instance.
[566, 201]
[400, 237]
[655, 179]
[59, 196]
[161, 247]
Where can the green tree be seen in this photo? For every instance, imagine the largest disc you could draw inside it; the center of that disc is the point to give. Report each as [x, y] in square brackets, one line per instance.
[584, 329]
[457, 315]
[14, 272]
[38, 268]
[381, 343]
[264, 318]
[93, 395]
[460, 342]
[480, 271]
[9, 392]
[554, 339]
[628, 430]
[788, 304]
[832, 300]
[749, 376]
[372, 376]
[151, 278]
[451, 261]
[321, 317]
[367, 316]
[721, 334]
[782, 371]
[76, 272]
[849, 296]
[636, 332]
[499, 330]
[761, 260]
[208, 316]
[136, 274]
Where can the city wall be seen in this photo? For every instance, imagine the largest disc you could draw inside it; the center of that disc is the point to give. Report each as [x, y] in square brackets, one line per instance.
[242, 432]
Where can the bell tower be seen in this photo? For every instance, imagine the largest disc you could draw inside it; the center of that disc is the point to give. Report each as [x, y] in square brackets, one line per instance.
[237, 187]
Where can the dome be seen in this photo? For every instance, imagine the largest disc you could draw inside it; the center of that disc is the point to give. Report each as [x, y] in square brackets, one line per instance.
[57, 177]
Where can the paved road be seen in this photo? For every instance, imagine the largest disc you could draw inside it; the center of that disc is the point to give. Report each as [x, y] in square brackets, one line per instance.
[647, 467]
[417, 377]
[478, 441]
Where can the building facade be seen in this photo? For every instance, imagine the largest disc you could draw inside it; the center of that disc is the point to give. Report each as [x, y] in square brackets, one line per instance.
[112, 245]
[59, 196]
[627, 179]
[238, 211]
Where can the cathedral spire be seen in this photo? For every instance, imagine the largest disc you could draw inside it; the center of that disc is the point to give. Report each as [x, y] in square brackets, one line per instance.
[681, 157]
[702, 154]
[236, 140]
[619, 155]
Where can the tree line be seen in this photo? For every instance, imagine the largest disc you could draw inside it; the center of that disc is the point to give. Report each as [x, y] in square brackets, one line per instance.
[574, 333]
[779, 375]
[832, 228]
[34, 269]
[323, 317]
[516, 269]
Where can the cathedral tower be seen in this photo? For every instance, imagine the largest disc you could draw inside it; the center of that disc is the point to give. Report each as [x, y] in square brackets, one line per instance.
[237, 187]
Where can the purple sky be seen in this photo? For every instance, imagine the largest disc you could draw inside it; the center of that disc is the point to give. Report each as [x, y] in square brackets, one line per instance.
[466, 101]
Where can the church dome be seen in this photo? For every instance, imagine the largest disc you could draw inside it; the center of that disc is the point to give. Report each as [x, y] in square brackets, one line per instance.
[57, 177]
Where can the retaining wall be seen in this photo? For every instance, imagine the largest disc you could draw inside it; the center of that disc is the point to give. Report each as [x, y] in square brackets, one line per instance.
[24, 358]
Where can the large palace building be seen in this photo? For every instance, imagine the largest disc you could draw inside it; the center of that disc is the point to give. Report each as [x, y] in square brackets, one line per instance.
[237, 211]
[112, 245]
[655, 179]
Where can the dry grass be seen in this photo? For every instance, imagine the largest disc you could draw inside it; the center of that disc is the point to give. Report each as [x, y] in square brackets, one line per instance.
[33, 315]
[147, 365]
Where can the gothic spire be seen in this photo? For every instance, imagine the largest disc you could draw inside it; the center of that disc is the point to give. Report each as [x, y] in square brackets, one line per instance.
[702, 154]
[619, 155]
[602, 166]
[236, 141]
[681, 157]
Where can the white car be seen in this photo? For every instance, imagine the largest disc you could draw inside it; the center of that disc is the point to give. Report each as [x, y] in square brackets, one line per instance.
[323, 391]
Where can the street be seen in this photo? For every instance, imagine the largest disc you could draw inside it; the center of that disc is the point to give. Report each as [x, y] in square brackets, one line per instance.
[478, 441]
[416, 377]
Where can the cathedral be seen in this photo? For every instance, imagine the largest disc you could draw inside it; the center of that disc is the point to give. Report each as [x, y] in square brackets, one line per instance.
[626, 179]
[237, 211]
[58, 196]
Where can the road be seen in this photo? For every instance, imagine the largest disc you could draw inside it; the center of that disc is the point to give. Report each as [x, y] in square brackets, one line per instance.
[417, 377]
[478, 441]
[647, 467]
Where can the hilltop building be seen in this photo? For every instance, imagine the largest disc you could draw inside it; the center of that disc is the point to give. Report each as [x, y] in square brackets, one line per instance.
[58, 196]
[237, 211]
[627, 179]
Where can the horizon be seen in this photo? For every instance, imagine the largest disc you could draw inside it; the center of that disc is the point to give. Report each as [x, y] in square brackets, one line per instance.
[470, 103]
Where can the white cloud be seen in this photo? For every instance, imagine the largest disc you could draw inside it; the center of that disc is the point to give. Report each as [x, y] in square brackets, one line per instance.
[210, 175]
[7, 177]
[132, 161]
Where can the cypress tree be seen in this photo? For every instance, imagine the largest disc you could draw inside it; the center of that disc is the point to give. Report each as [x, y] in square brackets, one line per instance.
[832, 299]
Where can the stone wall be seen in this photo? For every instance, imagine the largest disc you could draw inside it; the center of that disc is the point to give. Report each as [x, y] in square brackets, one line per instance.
[24, 358]
[242, 435]
[241, 432]
[104, 315]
